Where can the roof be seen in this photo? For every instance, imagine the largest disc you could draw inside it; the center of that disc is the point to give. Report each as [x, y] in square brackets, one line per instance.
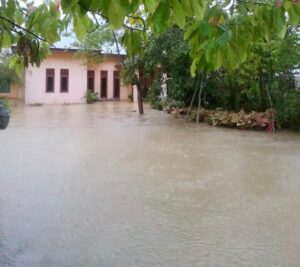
[74, 50]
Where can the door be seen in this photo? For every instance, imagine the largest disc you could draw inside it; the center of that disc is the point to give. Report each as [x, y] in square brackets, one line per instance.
[91, 80]
[116, 85]
[103, 84]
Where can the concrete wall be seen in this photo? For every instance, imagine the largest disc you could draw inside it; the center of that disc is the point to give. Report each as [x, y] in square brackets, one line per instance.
[35, 79]
[16, 92]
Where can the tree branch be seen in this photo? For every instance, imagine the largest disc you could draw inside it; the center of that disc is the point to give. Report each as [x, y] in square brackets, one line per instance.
[107, 19]
[97, 25]
[22, 28]
[133, 28]
[139, 18]
[116, 42]
[255, 3]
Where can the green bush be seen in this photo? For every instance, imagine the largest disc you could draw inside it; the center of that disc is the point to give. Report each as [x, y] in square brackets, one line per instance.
[5, 102]
[153, 96]
[288, 110]
[172, 104]
[90, 96]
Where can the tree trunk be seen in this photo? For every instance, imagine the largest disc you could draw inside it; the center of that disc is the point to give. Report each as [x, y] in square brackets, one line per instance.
[140, 98]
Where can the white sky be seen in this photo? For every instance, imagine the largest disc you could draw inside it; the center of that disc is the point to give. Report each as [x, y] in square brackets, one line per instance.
[66, 42]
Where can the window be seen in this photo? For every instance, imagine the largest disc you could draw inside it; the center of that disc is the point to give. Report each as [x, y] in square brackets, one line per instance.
[103, 84]
[116, 85]
[91, 80]
[64, 80]
[50, 80]
[4, 87]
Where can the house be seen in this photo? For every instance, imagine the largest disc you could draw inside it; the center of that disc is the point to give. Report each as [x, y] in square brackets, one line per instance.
[64, 77]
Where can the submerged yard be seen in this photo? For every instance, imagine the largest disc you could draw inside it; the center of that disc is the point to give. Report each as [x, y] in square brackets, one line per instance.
[98, 185]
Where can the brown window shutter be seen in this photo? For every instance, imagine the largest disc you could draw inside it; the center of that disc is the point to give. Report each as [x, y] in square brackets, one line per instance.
[103, 84]
[64, 80]
[91, 80]
[50, 80]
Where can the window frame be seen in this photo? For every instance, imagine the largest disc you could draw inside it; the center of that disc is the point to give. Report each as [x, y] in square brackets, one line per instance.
[5, 87]
[50, 75]
[104, 75]
[64, 73]
[116, 85]
[91, 74]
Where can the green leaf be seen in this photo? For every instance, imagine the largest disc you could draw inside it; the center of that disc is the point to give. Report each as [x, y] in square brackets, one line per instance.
[19, 17]
[81, 24]
[151, 5]
[198, 8]
[293, 17]
[17, 63]
[179, 16]
[293, 10]
[219, 59]
[78, 28]
[282, 33]
[266, 15]
[194, 67]
[191, 30]
[187, 8]
[19, 67]
[133, 41]
[266, 32]
[297, 9]
[161, 16]
[116, 13]
[6, 41]
[205, 30]
[278, 18]
[11, 7]
[69, 5]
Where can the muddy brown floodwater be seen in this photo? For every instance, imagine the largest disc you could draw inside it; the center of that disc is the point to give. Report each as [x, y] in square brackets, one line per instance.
[99, 186]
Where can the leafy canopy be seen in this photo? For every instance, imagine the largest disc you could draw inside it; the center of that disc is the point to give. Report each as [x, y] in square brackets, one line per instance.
[221, 33]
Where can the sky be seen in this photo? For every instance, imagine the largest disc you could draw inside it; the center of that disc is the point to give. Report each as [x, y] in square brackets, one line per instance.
[67, 41]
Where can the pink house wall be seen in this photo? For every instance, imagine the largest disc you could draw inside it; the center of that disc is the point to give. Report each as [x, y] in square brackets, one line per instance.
[35, 79]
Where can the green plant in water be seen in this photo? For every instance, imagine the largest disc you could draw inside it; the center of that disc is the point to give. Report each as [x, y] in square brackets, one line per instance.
[90, 96]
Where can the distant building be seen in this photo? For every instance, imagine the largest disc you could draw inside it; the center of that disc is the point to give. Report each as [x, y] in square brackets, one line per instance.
[63, 77]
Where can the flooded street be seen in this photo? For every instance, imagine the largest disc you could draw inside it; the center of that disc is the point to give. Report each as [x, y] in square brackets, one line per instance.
[100, 186]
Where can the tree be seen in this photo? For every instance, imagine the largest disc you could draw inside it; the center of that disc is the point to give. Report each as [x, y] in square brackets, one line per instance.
[30, 29]
[171, 52]
[99, 41]
[7, 74]
[215, 30]
[218, 38]
[131, 74]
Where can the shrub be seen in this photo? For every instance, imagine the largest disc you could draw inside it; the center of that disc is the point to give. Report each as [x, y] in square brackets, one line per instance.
[90, 96]
[169, 104]
[241, 120]
[5, 102]
[153, 96]
[288, 110]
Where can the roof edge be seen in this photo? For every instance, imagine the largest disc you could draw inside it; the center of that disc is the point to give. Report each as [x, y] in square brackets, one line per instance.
[74, 50]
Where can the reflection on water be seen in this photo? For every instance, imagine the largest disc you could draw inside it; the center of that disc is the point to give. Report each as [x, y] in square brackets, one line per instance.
[98, 185]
